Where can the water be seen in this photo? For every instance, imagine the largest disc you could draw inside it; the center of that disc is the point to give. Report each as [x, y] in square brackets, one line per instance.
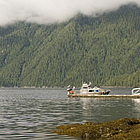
[34, 113]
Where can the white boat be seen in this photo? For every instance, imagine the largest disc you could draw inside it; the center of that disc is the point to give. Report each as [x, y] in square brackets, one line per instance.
[86, 89]
[136, 91]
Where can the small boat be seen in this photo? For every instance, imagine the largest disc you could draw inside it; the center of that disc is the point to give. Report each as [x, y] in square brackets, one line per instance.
[136, 91]
[88, 90]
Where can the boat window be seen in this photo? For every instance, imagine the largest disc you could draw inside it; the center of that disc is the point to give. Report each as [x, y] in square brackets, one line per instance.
[84, 87]
[91, 90]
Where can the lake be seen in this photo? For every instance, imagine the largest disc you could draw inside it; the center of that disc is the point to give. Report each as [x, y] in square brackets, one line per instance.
[27, 113]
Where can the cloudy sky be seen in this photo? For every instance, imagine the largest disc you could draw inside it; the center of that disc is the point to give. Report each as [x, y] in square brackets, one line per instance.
[49, 11]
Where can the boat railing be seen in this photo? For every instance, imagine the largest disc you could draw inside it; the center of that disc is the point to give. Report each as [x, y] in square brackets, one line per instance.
[136, 91]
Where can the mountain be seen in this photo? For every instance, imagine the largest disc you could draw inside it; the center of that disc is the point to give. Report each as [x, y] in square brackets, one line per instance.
[104, 50]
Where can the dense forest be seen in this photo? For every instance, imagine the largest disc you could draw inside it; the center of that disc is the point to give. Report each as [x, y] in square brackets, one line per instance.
[104, 50]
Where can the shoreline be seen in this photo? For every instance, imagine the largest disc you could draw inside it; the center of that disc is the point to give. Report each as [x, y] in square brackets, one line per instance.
[125, 128]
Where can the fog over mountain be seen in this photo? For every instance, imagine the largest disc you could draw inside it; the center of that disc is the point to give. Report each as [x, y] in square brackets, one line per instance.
[50, 11]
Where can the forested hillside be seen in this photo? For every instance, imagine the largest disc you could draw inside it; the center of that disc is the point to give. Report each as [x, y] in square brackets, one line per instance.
[104, 50]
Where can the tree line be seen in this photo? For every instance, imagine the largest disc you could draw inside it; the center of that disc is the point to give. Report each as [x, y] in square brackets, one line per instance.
[103, 50]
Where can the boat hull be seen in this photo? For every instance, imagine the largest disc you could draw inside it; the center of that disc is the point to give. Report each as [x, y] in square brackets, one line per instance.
[95, 93]
[136, 91]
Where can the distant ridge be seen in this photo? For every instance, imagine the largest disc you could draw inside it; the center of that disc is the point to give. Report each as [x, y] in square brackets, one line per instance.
[104, 50]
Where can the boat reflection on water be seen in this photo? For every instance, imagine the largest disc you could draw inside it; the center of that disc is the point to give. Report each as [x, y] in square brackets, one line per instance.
[136, 91]
[96, 109]
[136, 103]
[106, 109]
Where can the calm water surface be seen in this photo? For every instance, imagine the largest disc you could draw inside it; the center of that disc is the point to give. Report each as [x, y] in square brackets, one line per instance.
[34, 113]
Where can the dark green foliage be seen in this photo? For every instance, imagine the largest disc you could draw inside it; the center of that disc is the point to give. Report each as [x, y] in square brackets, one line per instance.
[104, 50]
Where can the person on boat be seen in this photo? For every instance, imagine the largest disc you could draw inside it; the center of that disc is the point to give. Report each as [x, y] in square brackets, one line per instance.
[72, 90]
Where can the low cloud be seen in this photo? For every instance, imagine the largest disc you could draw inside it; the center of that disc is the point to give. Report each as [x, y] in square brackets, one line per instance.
[50, 11]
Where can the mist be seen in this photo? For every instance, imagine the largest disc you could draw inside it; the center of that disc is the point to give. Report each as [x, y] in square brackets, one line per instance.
[51, 11]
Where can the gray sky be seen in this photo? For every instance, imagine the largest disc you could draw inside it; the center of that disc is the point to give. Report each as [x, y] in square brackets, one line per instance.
[50, 11]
